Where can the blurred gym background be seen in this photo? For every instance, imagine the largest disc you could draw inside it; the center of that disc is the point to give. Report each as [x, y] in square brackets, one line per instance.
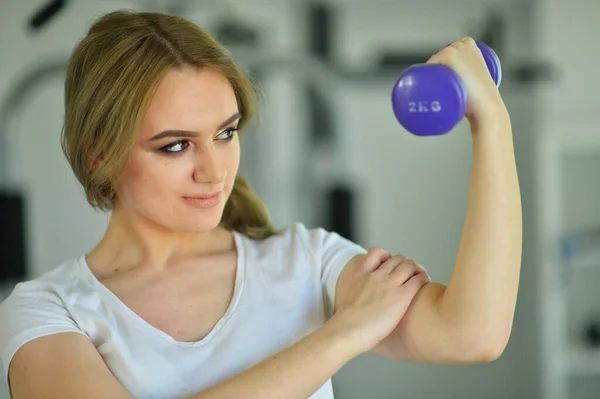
[329, 152]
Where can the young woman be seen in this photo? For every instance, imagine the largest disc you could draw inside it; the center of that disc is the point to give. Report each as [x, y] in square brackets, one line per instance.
[191, 293]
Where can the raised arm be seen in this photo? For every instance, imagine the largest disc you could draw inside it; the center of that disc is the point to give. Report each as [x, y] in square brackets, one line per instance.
[470, 320]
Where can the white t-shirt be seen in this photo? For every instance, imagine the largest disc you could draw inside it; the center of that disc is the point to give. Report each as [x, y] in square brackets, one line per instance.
[284, 290]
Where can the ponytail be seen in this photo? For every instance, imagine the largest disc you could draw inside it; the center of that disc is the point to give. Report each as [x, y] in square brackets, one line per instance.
[246, 213]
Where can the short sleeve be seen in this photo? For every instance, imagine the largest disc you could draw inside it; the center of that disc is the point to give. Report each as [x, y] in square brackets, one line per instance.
[333, 252]
[34, 309]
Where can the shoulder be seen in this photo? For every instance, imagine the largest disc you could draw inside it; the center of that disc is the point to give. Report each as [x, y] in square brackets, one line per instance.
[36, 308]
[325, 244]
[45, 291]
[56, 281]
[296, 234]
[318, 243]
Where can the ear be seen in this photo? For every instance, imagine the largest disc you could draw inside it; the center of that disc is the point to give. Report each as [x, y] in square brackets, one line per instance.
[97, 162]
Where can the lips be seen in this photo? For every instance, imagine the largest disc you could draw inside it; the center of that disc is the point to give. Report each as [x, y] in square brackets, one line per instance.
[204, 201]
[204, 196]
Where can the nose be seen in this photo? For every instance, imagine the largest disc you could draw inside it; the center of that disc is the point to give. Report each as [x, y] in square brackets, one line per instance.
[209, 166]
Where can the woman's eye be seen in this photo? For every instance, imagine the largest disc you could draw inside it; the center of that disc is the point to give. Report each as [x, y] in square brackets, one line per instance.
[180, 146]
[175, 147]
[228, 134]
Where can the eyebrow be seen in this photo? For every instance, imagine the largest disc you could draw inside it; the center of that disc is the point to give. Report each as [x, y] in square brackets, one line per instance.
[189, 134]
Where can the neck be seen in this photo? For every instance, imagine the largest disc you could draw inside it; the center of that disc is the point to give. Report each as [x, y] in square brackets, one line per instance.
[132, 241]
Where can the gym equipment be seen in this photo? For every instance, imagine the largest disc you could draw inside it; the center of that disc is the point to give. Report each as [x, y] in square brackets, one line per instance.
[430, 99]
[13, 257]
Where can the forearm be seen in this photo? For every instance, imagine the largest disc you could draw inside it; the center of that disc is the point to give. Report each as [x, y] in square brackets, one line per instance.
[296, 372]
[480, 299]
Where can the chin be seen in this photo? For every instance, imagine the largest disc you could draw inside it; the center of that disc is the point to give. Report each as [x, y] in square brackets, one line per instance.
[186, 219]
[199, 222]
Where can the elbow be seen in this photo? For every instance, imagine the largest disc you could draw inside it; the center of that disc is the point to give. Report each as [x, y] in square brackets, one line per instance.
[481, 342]
[484, 348]
[488, 354]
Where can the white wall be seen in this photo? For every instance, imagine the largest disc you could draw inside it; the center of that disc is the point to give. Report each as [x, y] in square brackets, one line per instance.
[570, 130]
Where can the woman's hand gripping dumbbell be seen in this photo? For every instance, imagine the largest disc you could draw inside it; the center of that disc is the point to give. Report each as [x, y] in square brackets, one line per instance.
[431, 99]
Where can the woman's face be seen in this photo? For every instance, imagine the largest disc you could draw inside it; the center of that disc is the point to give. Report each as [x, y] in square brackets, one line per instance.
[182, 168]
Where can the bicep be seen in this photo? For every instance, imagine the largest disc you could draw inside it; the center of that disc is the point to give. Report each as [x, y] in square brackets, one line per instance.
[421, 335]
[343, 281]
[63, 365]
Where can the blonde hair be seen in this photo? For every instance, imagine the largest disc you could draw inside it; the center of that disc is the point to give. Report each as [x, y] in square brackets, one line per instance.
[113, 74]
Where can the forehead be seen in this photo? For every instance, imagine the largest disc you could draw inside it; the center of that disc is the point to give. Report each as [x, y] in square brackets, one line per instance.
[191, 99]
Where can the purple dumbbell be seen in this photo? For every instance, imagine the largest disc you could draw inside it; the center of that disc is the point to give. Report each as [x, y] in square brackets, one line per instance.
[430, 99]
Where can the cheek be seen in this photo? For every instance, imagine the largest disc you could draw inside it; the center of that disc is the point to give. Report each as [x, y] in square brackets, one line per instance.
[233, 163]
[144, 179]
[132, 186]
[147, 179]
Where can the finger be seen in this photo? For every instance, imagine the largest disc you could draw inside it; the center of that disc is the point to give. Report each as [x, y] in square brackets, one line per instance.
[421, 269]
[414, 284]
[391, 264]
[444, 55]
[460, 43]
[434, 59]
[469, 41]
[418, 269]
[405, 271]
[374, 258]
